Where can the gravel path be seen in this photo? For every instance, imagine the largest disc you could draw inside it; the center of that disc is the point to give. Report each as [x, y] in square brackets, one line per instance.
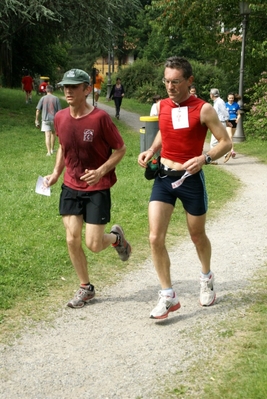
[111, 349]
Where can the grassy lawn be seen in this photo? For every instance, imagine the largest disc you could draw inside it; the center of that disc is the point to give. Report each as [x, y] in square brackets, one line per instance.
[36, 276]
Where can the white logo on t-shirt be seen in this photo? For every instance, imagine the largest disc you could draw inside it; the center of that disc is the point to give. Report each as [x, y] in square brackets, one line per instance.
[88, 135]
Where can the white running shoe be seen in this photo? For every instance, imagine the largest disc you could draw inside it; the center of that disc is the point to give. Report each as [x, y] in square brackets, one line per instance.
[165, 305]
[207, 293]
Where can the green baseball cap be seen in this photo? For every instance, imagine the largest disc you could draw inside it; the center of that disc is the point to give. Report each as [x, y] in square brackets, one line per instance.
[75, 77]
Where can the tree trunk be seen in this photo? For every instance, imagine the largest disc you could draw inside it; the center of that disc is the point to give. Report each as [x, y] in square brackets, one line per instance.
[6, 64]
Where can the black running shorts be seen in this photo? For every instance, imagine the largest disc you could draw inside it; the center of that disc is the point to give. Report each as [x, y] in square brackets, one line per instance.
[93, 205]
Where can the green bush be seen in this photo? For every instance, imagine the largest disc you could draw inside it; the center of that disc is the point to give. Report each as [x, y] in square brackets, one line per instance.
[256, 121]
[141, 72]
[208, 76]
[142, 80]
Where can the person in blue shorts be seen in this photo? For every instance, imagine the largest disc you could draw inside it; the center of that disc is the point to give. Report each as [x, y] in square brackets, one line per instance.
[183, 124]
[234, 116]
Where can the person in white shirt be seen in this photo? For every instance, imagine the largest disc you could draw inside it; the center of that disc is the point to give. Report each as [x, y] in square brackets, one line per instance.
[154, 108]
[222, 112]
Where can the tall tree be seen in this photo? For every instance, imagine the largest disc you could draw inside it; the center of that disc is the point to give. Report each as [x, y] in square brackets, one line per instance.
[213, 29]
[84, 24]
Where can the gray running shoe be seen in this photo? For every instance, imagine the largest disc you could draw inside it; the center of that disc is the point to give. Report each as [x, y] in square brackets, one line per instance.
[122, 247]
[82, 296]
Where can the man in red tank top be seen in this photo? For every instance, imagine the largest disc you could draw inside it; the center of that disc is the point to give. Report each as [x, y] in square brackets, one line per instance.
[183, 124]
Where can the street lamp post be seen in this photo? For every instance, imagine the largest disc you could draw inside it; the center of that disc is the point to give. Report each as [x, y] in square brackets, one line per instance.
[239, 133]
[109, 58]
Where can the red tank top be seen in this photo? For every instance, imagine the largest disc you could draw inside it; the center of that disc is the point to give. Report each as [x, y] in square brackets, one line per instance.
[182, 143]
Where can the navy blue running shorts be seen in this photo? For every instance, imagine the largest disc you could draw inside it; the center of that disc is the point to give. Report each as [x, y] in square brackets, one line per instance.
[93, 205]
[192, 193]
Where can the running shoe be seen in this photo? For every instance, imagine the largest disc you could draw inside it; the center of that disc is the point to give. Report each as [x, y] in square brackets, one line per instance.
[227, 156]
[122, 246]
[166, 304]
[82, 296]
[207, 293]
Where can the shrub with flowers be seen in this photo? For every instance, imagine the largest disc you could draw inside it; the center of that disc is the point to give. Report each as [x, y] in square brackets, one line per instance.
[255, 124]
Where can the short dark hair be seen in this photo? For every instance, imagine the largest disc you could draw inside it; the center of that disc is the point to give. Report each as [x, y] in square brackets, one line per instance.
[49, 88]
[156, 98]
[180, 63]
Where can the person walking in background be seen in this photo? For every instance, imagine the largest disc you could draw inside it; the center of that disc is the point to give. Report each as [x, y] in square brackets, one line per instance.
[154, 109]
[193, 91]
[27, 85]
[221, 110]
[42, 87]
[97, 86]
[117, 94]
[183, 124]
[234, 116]
[49, 105]
[90, 147]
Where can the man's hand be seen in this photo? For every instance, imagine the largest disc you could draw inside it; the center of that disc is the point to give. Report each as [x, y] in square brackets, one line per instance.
[195, 164]
[49, 180]
[91, 177]
[144, 157]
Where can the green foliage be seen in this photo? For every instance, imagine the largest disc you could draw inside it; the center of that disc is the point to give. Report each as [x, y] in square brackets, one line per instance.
[208, 76]
[137, 74]
[211, 31]
[90, 23]
[142, 80]
[256, 119]
[144, 93]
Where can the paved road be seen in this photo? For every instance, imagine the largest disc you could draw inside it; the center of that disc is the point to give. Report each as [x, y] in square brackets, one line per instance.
[130, 118]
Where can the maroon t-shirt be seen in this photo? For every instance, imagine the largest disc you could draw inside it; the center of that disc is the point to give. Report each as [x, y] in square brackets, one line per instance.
[87, 143]
[27, 83]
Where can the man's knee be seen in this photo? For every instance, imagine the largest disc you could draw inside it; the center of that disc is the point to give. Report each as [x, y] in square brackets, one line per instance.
[94, 245]
[156, 240]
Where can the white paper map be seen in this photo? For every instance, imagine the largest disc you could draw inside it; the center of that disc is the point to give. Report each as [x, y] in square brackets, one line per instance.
[40, 187]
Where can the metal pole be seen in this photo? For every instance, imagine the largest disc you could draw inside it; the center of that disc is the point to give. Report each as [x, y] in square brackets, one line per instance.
[239, 133]
[109, 60]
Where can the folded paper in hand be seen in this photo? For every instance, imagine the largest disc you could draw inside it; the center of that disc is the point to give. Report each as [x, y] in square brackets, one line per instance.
[41, 188]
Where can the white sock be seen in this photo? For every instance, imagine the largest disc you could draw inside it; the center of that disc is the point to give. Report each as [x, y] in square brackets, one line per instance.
[167, 292]
[203, 275]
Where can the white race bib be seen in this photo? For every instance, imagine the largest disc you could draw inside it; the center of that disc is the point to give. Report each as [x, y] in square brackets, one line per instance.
[180, 117]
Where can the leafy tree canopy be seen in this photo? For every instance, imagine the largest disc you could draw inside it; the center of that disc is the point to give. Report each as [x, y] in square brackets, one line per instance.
[213, 29]
[86, 23]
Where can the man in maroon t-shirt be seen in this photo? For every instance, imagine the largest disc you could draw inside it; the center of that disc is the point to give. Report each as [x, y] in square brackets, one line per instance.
[90, 147]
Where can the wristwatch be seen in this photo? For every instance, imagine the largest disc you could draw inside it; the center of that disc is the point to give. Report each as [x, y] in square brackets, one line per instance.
[208, 159]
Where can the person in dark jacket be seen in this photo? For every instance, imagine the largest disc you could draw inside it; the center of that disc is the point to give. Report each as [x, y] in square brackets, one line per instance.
[117, 93]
